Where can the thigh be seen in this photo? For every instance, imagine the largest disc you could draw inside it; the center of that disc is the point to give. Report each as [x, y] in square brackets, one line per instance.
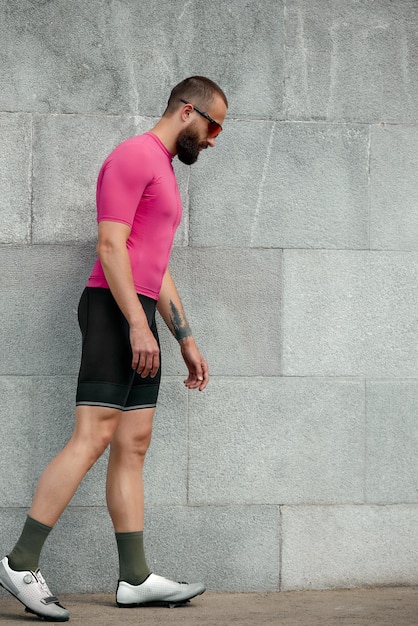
[95, 423]
[106, 378]
[106, 353]
[134, 430]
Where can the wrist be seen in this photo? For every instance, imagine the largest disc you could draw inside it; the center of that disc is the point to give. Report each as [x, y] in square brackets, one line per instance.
[186, 341]
[138, 323]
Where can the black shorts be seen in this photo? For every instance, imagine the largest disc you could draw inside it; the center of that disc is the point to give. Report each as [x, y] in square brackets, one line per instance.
[106, 377]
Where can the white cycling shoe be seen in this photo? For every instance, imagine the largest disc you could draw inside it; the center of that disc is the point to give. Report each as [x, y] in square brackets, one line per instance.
[32, 591]
[157, 591]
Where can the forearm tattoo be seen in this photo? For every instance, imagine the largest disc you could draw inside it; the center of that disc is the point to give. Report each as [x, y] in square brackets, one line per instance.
[180, 325]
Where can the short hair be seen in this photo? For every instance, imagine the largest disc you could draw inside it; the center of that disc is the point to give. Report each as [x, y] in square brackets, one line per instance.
[198, 90]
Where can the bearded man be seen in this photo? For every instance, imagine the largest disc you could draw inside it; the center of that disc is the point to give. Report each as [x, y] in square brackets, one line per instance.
[138, 212]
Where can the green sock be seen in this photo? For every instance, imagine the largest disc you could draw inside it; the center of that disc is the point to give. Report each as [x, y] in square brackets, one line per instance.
[25, 555]
[133, 567]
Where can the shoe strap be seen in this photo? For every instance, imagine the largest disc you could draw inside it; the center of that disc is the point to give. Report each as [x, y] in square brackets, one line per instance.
[50, 600]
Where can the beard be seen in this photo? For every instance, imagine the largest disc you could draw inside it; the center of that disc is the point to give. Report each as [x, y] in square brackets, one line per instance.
[189, 146]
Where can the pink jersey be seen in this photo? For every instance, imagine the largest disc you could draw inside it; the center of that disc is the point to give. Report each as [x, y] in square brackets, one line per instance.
[137, 186]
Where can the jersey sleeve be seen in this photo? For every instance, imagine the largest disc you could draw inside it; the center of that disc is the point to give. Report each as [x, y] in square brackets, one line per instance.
[121, 184]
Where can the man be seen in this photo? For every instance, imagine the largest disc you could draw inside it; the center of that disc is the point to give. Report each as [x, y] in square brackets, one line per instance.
[139, 209]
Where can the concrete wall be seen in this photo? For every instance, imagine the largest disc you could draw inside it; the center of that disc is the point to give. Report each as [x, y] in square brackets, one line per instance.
[297, 260]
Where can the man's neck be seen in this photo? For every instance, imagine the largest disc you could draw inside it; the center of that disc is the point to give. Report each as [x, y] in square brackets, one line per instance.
[164, 131]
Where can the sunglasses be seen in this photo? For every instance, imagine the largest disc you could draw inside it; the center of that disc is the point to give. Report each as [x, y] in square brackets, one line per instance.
[214, 127]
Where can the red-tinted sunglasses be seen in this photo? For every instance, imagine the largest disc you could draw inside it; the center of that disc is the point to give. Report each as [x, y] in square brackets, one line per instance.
[214, 127]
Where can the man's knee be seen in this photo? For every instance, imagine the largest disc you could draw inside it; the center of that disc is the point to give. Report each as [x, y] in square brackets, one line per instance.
[134, 447]
[94, 429]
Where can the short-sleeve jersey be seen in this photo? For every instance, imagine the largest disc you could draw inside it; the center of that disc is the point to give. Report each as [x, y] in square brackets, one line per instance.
[137, 186]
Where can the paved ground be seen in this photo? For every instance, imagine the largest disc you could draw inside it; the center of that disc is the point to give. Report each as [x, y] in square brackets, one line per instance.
[357, 607]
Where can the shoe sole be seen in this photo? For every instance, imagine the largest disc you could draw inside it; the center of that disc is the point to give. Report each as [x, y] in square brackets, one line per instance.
[169, 604]
[161, 603]
[44, 617]
[28, 610]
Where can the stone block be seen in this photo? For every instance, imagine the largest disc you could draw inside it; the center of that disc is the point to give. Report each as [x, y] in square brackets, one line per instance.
[232, 300]
[78, 58]
[68, 153]
[243, 53]
[11, 524]
[350, 313]
[392, 441]
[277, 440]
[182, 173]
[344, 61]
[126, 57]
[82, 541]
[283, 185]
[228, 548]
[226, 185]
[394, 188]
[15, 178]
[315, 188]
[53, 410]
[165, 472]
[38, 419]
[172, 363]
[39, 294]
[19, 432]
[349, 546]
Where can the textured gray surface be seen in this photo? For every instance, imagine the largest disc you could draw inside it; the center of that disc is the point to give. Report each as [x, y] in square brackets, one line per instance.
[39, 294]
[166, 466]
[347, 546]
[296, 260]
[272, 440]
[233, 301]
[68, 153]
[15, 178]
[18, 429]
[356, 607]
[349, 313]
[305, 185]
[350, 60]
[95, 57]
[394, 209]
[230, 548]
[392, 441]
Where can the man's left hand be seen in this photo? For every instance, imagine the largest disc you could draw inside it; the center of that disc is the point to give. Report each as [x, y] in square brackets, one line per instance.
[198, 368]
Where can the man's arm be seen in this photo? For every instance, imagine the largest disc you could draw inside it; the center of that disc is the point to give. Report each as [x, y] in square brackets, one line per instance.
[171, 310]
[114, 257]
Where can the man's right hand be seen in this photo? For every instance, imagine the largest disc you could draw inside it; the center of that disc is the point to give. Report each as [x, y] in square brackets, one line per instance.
[114, 257]
[145, 352]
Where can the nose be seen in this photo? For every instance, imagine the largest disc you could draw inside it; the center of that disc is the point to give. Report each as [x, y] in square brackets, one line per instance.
[211, 141]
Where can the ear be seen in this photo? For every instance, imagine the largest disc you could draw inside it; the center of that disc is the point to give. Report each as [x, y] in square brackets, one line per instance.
[186, 111]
